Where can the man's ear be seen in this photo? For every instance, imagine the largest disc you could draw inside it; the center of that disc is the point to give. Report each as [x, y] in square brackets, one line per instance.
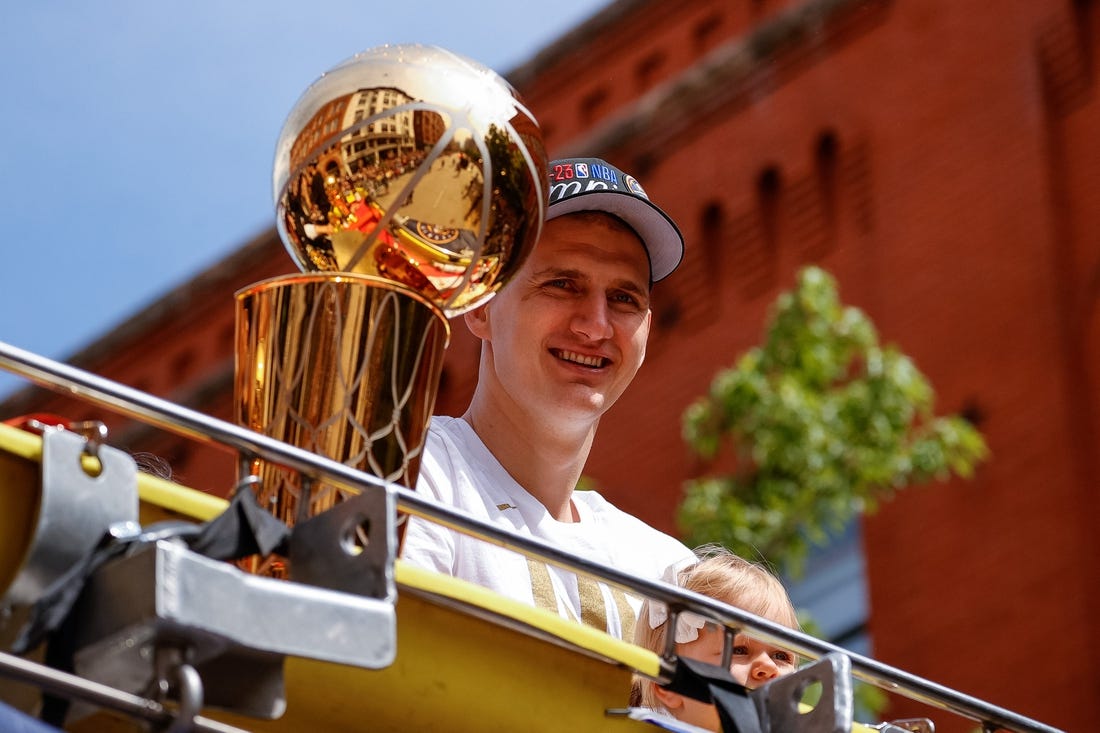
[477, 321]
[672, 701]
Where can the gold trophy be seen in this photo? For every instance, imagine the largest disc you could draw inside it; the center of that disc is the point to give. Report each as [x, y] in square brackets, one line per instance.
[409, 186]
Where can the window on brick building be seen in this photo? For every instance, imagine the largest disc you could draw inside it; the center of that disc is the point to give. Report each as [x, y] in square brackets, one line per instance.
[593, 105]
[649, 69]
[713, 228]
[833, 589]
[826, 156]
[706, 33]
[769, 185]
[754, 236]
[694, 294]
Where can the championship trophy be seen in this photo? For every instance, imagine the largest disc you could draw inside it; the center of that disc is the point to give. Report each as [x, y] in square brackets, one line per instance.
[409, 186]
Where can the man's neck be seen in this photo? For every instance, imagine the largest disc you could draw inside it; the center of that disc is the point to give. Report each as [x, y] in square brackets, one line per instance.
[544, 459]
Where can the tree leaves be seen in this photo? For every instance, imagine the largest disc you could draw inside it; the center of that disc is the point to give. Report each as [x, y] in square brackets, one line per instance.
[822, 422]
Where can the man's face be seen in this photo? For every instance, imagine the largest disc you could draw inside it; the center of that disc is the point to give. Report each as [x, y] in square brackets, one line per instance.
[568, 334]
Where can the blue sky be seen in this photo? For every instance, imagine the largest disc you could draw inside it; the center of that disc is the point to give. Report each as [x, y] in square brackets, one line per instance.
[136, 136]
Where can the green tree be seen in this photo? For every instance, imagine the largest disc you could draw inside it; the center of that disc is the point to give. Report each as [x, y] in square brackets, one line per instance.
[818, 424]
[821, 422]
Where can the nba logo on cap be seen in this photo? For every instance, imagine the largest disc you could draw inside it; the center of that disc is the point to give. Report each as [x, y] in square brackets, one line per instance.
[581, 170]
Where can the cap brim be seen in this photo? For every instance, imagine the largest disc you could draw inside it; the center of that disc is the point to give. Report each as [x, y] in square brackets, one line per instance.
[662, 239]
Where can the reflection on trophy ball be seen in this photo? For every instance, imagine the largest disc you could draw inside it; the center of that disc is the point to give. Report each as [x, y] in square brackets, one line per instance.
[413, 164]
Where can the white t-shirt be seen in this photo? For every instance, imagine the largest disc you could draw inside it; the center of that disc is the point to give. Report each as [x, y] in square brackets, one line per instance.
[458, 470]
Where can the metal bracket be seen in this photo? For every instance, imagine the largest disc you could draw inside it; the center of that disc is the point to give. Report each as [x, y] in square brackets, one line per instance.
[778, 702]
[76, 509]
[236, 627]
[351, 547]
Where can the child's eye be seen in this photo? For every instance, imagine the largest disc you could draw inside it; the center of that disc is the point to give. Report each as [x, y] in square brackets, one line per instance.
[783, 657]
[740, 650]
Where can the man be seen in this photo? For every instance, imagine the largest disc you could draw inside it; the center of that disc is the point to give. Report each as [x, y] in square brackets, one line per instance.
[560, 343]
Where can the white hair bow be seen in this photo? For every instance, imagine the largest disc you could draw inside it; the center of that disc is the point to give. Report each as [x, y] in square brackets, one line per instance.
[687, 623]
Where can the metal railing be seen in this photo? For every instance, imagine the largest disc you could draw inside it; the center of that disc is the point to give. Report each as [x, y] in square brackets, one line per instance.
[203, 428]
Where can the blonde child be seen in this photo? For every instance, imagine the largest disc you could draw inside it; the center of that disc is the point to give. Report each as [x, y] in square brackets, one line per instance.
[728, 578]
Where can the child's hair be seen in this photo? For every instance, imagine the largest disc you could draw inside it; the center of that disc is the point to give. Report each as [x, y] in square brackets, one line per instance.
[721, 575]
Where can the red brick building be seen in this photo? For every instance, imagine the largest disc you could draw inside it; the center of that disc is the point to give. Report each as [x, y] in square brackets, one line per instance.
[942, 159]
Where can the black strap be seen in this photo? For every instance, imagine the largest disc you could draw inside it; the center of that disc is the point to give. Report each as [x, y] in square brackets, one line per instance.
[243, 529]
[50, 611]
[708, 683]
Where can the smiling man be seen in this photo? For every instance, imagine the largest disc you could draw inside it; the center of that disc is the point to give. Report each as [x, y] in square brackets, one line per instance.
[560, 344]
